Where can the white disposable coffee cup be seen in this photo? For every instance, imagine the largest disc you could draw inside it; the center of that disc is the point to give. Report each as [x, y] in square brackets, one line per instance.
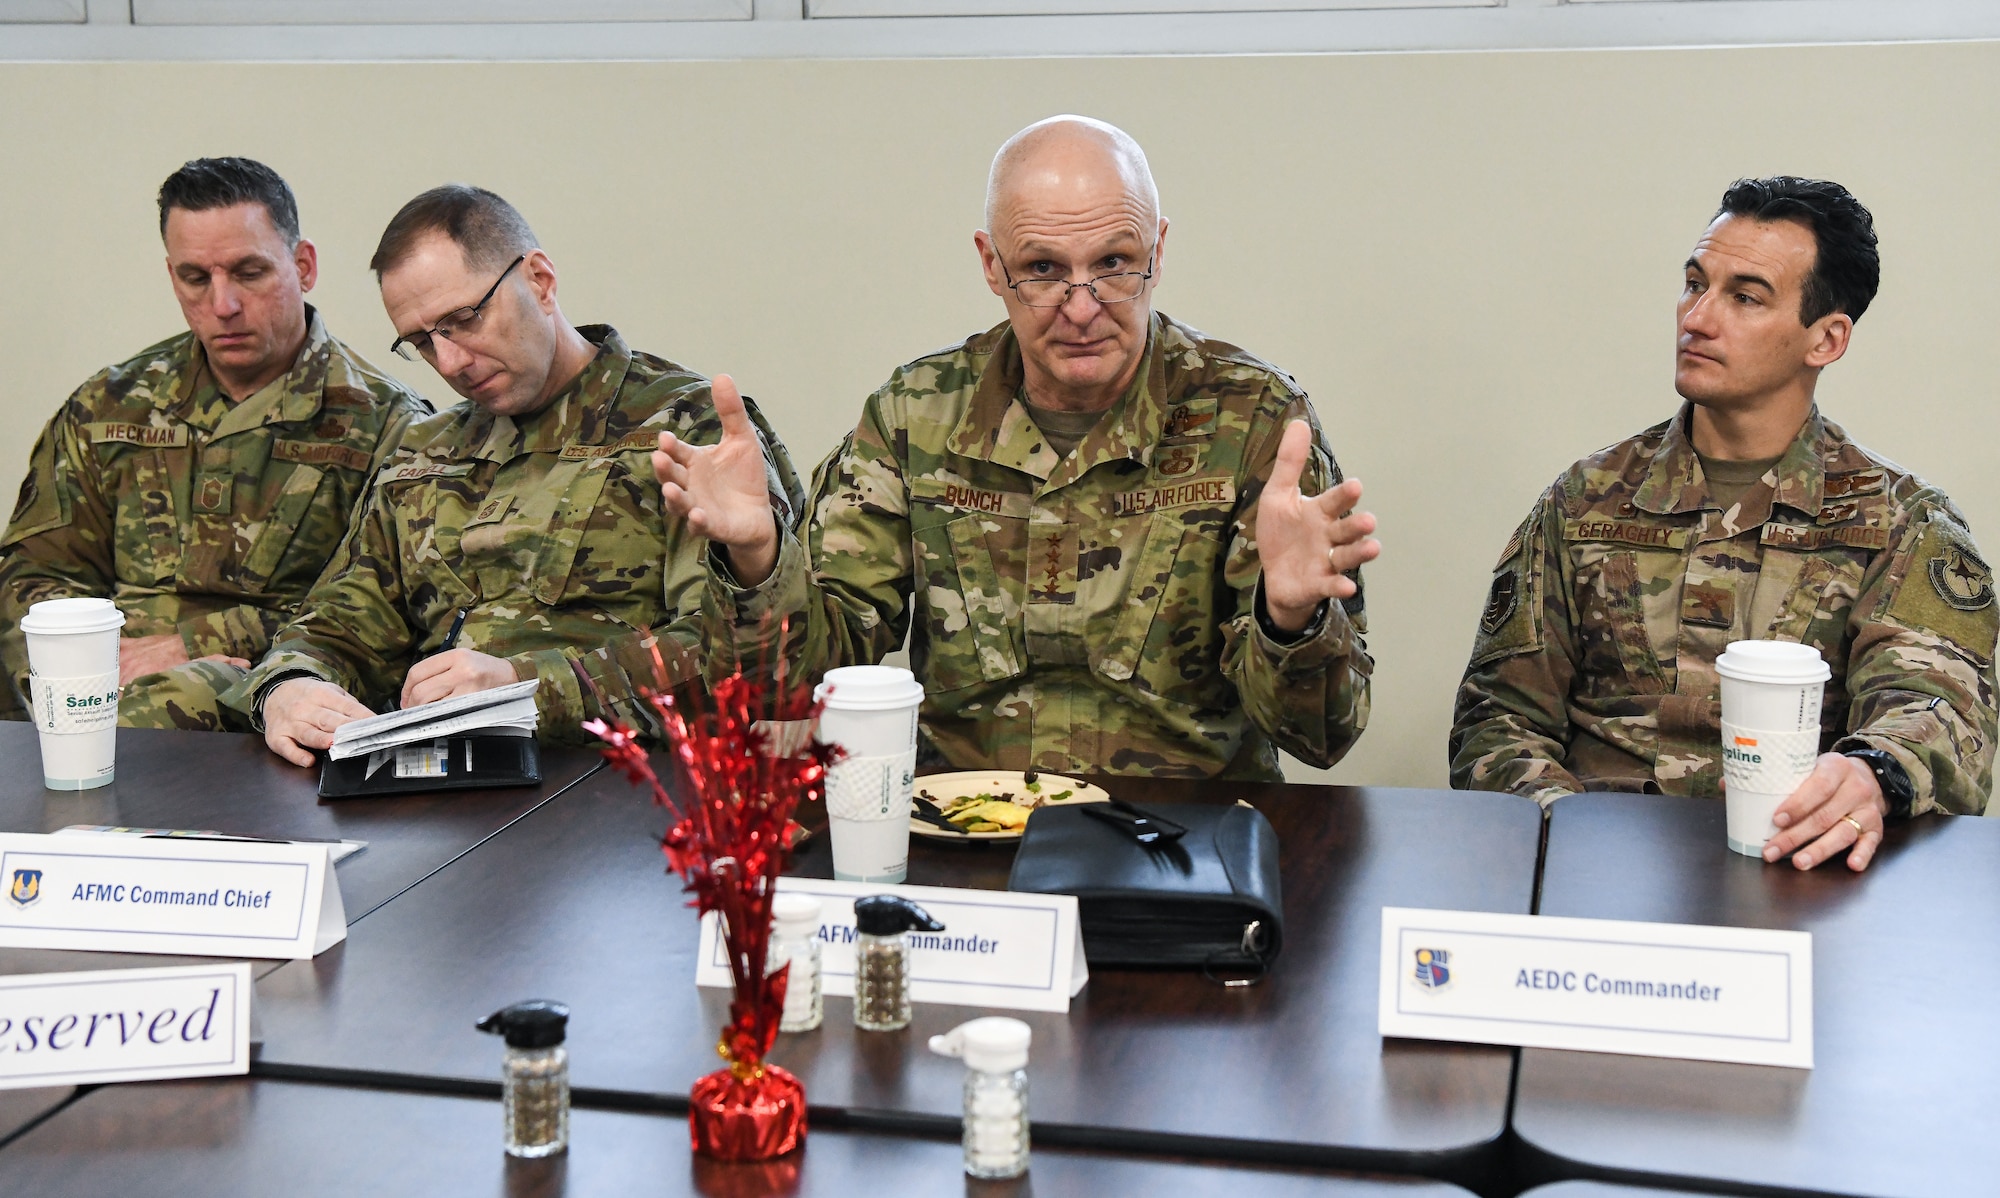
[73, 689]
[871, 713]
[1771, 696]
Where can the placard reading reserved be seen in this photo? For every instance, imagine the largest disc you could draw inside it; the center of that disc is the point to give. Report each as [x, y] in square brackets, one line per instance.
[1020, 952]
[120, 1025]
[183, 896]
[1598, 985]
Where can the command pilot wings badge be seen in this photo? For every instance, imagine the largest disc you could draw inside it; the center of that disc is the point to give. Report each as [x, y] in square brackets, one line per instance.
[26, 887]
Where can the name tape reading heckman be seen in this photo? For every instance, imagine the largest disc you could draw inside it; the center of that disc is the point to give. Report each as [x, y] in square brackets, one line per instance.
[187, 896]
[123, 1025]
[1598, 985]
[1020, 952]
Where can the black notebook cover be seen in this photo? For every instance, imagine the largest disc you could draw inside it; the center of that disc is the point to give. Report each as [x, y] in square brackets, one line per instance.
[478, 761]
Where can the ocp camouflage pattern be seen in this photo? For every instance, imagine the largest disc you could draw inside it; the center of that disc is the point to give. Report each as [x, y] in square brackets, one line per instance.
[1094, 612]
[547, 530]
[196, 515]
[1594, 666]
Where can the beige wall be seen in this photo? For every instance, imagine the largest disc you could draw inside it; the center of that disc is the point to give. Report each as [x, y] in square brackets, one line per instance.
[1469, 260]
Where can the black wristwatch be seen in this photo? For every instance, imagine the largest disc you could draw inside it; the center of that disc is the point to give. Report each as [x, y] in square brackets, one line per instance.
[1891, 777]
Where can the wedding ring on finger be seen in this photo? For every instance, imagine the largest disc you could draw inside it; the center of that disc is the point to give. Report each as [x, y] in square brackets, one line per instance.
[1858, 829]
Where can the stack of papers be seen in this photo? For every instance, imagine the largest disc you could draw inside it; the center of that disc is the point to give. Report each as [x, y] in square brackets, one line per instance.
[507, 710]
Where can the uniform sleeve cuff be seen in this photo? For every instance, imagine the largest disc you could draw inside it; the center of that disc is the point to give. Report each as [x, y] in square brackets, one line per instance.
[1329, 637]
[753, 607]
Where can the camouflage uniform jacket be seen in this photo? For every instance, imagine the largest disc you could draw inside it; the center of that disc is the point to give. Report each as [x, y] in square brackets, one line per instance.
[1095, 612]
[547, 529]
[1594, 668]
[193, 513]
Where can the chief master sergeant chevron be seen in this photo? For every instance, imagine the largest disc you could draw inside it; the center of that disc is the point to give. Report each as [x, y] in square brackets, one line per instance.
[531, 508]
[1119, 544]
[202, 484]
[1747, 516]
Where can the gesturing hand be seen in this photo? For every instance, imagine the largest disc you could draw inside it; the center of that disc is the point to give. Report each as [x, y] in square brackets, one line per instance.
[1308, 544]
[721, 490]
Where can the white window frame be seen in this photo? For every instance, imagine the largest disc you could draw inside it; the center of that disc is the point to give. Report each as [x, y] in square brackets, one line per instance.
[431, 12]
[67, 12]
[848, 9]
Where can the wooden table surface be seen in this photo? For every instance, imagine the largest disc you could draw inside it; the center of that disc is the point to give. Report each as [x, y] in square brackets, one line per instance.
[1902, 1097]
[573, 904]
[247, 1138]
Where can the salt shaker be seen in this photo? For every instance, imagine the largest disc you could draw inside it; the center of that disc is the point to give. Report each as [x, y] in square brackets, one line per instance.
[882, 959]
[995, 1051]
[795, 939]
[534, 1076]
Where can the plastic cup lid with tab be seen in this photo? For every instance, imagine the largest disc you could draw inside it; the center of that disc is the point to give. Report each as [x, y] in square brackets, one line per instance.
[1786, 663]
[994, 1044]
[72, 617]
[869, 688]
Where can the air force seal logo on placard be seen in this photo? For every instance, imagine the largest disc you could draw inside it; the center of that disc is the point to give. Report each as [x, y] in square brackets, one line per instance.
[26, 887]
[1433, 968]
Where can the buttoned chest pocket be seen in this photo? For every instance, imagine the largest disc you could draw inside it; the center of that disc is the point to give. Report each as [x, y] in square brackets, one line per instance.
[1171, 602]
[974, 571]
[145, 526]
[1815, 594]
[1615, 650]
[527, 532]
[294, 514]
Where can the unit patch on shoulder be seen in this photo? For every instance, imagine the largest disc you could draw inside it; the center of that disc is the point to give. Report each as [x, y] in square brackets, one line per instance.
[1500, 602]
[1960, 579]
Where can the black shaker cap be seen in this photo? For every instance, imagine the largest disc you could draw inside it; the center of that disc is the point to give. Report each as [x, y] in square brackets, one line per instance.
[537, 1023]
[886, 915]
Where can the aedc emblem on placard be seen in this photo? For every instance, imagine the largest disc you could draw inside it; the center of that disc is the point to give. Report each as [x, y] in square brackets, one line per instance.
[26, 887]
[1433, 968]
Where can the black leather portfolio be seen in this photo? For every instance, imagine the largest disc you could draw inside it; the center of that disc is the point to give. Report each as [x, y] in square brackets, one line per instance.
[1209, 899]
[479, 761]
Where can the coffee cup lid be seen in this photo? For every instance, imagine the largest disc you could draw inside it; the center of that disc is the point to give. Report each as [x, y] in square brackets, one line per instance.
[869, 688]
[65, 617]
[1786, 663]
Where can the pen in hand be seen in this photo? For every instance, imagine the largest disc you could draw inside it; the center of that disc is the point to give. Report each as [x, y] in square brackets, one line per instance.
[451, 638]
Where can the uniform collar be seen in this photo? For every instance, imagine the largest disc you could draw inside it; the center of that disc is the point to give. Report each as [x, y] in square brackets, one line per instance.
[998, 427]
[576, 416]
[1674, 484]
[292, 396]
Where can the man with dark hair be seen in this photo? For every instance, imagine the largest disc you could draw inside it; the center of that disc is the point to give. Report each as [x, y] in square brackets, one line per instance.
[204, 483]
[1747, 516]
[524, 522]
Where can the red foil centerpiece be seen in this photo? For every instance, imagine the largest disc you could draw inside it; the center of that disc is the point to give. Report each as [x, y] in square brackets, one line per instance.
[728, 842]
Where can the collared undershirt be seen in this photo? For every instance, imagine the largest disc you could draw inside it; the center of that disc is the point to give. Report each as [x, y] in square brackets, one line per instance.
[1064, 430]
[1728, 480]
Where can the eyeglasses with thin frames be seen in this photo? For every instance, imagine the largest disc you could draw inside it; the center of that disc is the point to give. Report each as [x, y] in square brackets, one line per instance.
[1119, 287]
[452, 325]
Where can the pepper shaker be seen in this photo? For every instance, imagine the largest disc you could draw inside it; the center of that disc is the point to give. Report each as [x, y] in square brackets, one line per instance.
[883, 923]
[534, 1076]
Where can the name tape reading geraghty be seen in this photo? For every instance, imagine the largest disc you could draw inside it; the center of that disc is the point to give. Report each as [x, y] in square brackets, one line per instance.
[119, 1025]
[998, 949]
[1597, 985]
[169, 895]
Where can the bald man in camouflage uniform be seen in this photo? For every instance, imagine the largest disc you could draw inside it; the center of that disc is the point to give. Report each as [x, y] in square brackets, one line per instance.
[530, 510]
[1075, 515]
[203, 484]
[1594, 665]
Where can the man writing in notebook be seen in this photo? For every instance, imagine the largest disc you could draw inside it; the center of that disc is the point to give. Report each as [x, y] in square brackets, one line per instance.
[525, 520]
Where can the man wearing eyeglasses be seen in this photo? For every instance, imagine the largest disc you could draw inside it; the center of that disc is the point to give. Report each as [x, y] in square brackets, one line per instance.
[202, 484]
[519, 535]
[1118, 544]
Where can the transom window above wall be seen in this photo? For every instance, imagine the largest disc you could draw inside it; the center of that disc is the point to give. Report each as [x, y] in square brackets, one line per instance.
[683, 29]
